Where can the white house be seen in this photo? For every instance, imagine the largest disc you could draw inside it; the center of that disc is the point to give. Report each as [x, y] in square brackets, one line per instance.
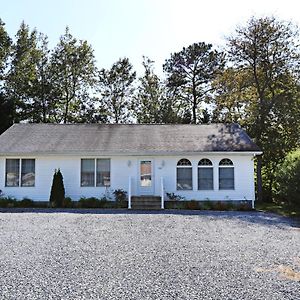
[201, 162]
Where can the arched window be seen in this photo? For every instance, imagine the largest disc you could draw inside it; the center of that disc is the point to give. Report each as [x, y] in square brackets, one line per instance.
[205, 175]
[226, 174]
[184, 175]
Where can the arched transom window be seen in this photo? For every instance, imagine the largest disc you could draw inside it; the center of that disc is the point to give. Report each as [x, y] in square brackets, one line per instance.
[226, 174]
[205, 175]
[184, 175]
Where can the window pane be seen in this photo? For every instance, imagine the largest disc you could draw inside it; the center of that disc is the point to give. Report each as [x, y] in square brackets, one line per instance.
[28, 172]
[184, 179]
[205, 179]
[12, 172]
[146, 172]
[226, 178]
[87, 172]
[103, 172]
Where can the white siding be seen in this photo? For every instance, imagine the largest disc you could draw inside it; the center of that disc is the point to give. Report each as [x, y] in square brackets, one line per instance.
[125, 166]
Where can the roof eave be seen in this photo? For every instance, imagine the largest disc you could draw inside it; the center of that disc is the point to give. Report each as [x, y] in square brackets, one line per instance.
[140, 153]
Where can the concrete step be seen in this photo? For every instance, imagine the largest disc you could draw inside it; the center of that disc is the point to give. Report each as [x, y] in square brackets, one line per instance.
[145, 202]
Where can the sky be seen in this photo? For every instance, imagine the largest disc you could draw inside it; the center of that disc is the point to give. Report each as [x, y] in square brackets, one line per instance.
[133, 28]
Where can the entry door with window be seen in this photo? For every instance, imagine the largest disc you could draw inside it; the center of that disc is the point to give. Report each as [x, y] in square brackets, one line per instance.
[146, 180]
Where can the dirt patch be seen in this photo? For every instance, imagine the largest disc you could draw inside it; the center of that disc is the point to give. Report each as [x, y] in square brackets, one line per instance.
[285, 272]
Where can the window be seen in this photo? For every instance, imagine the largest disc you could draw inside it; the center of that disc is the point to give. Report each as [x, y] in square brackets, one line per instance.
[184, 175]
[12, 172]
[226, 174]
[28, 172]
[205, 175]
[95, 172]
[103, 172]
[14, 178]
[87, 172]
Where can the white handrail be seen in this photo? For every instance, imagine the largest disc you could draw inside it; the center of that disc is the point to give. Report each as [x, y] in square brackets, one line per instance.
[162, 193]
[129, 192]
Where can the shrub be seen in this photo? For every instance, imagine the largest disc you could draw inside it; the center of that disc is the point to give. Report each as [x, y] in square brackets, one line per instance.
[174, 197]
[57, 194]
[193, 204]
[91, 202]
[287, 179]
[207, 205]
[8, 202]
[120, 195]
[26, 202]
[67, 203]
[121, 198]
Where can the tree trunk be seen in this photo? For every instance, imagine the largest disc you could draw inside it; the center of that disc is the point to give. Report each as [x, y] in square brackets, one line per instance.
[259, 179]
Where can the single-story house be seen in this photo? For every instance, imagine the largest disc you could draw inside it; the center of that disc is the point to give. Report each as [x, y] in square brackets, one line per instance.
[200, 162]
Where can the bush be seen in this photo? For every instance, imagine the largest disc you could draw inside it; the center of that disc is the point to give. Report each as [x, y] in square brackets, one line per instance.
[287, 179]
[67, 203]
[91, 202]
[174, 197]
[193, 204]
[121, 198]
[57, 194]
[26, 202]
[8, 202]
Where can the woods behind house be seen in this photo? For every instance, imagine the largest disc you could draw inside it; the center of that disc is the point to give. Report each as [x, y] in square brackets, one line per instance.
[253, 81]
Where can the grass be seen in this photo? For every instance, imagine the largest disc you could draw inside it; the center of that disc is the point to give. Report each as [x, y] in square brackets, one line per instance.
[279, 208]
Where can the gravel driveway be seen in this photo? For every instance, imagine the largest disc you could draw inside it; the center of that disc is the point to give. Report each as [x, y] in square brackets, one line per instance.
[142, 255]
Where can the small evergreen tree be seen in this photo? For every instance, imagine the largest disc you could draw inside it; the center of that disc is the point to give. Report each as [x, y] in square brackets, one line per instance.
[57, 194]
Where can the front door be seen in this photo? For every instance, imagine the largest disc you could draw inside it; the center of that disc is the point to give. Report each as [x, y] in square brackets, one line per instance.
[146, 180]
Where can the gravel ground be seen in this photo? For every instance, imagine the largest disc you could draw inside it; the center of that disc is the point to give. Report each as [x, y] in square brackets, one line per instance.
[148, 255]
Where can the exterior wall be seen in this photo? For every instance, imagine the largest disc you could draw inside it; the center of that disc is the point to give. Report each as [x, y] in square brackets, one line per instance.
[124, 166]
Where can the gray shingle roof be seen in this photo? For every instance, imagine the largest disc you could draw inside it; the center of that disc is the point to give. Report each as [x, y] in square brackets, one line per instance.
[123, 139]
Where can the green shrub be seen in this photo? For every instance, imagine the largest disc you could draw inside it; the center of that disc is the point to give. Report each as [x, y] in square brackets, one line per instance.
[26, 202]
[8, 202]
[120, 198]
[57, 194]
[207, 205]
[91, 202]
[193, 204]
[67, 203]
[287, 185]
[174, 197]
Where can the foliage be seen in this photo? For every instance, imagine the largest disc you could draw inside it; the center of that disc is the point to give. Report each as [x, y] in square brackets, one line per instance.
[6, 112]
[57, 194]
[73, 75]
[175, 197]
[190, 72]
[5, 47]
[91, 202]
[67, 203]
[260, 90]
[120, 195]
[116, 88]
[152, 104]
[287, 179]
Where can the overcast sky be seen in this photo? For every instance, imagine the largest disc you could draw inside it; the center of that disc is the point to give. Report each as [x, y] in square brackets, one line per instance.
[133, 28]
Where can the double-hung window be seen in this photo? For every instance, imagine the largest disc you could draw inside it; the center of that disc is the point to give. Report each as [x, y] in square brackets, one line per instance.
[95, 172]
[15, 178]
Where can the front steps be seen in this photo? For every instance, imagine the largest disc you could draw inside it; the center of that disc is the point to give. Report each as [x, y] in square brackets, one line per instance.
[146, 202]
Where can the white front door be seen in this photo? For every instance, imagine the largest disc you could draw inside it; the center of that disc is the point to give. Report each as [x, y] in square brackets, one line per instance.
[146, 177]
